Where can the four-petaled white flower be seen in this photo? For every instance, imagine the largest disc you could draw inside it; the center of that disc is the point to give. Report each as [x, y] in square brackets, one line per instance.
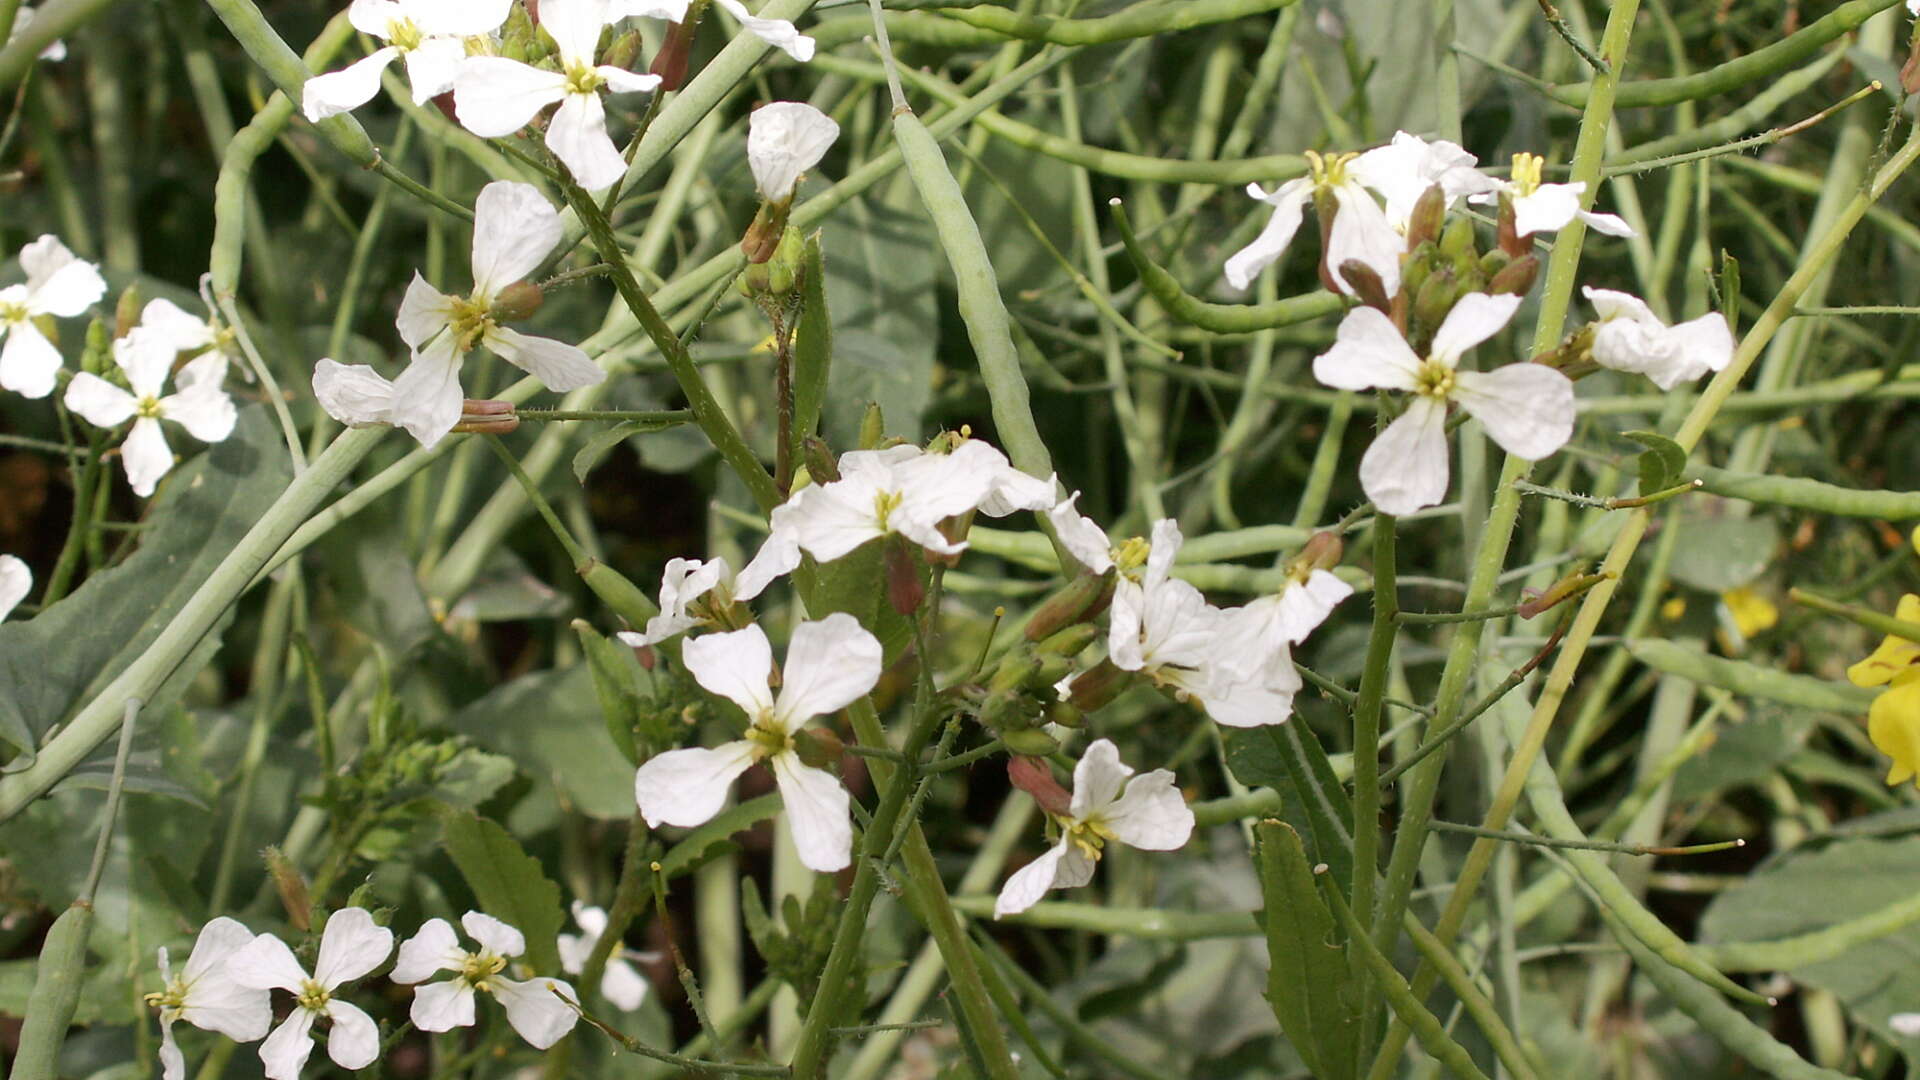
[1630, 337]
[164, 320]
[1539, 207]
[684, 582]
[57, 284]
[1164, 628]
[200, 405]
[430, 34]
[778, 33]
[514, 228]
[784, 140]
[1360, 231]
[1405, 168]
[16, 580]
[1146, 813]
[830, 664]
[494, 96]
[532, 1009]
[1258, 637]
[205, 995]
[351, 947]
[1527, 408]
[621, 983]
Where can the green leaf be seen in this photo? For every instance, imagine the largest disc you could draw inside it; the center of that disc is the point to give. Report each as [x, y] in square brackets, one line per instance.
[812, 344]
[509, 885]
[549, 722]
[1307, 980]
[1663, 462]
[615, 673]
[588, 457]
[692, 850]
[856, 584]
[1288, 758]
[1717, 554]
[882, 265]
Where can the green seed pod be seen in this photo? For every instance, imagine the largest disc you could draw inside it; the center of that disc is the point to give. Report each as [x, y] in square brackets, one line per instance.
[1030, 742]
[615, 591]
[56, 993]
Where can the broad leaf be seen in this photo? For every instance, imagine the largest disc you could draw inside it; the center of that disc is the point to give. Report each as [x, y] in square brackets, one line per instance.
[509, 885]
[1307, 978]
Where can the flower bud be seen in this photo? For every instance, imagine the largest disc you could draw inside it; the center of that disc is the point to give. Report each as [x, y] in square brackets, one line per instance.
[817, 747]
[1081, 599]
[670, 63]
[905, 590]
[1435, 299]
[1035, 777]
[487, 416]
[1322, 551]
[820, 464]
[126, 313]
[292, 888]
[1366, 285]
[1030, 743]
[1494, 261]
[873, 427]
[763, 237]
[1065, 715]
[1428, 218]
[1507, 235]
[1098, 686]
[517, 302]
[1418, 266]
[1516, 278]
[97, 356]
[517, 37]
[623, 52]
[1457, 240]
[1068, 642]
[1015, 670]
[782, 273]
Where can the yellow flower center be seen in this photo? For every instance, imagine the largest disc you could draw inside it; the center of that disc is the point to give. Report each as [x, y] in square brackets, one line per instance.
[1131, 555]
[14, 313]
[1527, 170]
[582, 79]
[148, 408]
[1329, 170]
[312, 996]
[884, 504]
[478, 967]
[1089, 836]
[404, 34]
[469, 321]
[1435, 380]
[767, 741]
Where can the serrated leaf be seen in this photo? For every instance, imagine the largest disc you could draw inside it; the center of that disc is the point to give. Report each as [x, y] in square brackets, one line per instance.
[1307, 980]
[1663, 462]
[1288, 758]
[509, 885]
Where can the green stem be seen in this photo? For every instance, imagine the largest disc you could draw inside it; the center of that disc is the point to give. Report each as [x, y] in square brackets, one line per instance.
[1367, 707]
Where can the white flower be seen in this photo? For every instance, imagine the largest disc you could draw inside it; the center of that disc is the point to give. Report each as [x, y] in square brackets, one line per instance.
[200, 405]
[494, 96]
[1527, 408]
[1539, 207]
[167, 321]
[1630, 337]
[784, 140]
[532, 1009]
[621, 983]
[1913, 8]
[429, 33]
[57, 284]
[778, 33]
[1083, 538]
[685, 581]
[205, 995]
[1405, 168]
[350, 948]
[1261, 634]
[1360, 230]
[56, 50]
[1164, 628]
[1147, 813]
[1907, 1024]
[354, 394]
[15, 582]
[514, 228]
[830, 664]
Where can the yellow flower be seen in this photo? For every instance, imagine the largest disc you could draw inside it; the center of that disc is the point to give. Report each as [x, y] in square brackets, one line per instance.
[1894, 725]
[1751, 612]
[1895, 654]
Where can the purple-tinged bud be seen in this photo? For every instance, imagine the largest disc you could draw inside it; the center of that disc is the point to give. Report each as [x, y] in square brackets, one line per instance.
[1516, 278]
[905, 589]
[1367, 285]
[1322, 551]
[1035, 777]
[292, 887]
[1507, 236]
[126, 313]
[517, 302]
[670, 63]
[1078, 600]
[1428, 218]
[1098, 686]
[817, 747]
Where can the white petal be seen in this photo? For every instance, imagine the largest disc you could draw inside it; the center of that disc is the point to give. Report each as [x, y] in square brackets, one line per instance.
[670, 10]
[1368, 352]
[1406, 467]
[424, 312]
[1031, 882]
[817, 810]
[578, 137]
[1611, 224]
[205, 411]
[354, 1042]
[623, 985]
[166, 319]
[1549, 209]
[1706, 340]
[99, 402]
[427, 396]
[173, 1064]
[1163, 549]
[1907, 1024]
[514, 229]
[622, 81]
[1151, 815]
[218, 941]
[575, 26]
[374, 18]
[1247, 704]
[494, 96]
[1125, 614]
[688, 787]
[1289, 206]
[146, 455]
[146, 359]
[59, 286]
[535, 1012]
[778, 33]
[831, 663]
[495, 935]
[1473, 320]
[1527, 408]
[285, 1051]
[1083, 539]
[442, 1006]
[353, 394]
[1361, 233]
[461, 18]
[350, 947]
[433, 67]
[15, 582]
[349, 88]
[28, 362]
[779, 554]
[266, 964]
[830, 520]
[557, 365]
[1306, 605]
[432, 948]
[1097, 779]
[591, 920]
[1619, 305]
[784, 140]
[735, 665]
